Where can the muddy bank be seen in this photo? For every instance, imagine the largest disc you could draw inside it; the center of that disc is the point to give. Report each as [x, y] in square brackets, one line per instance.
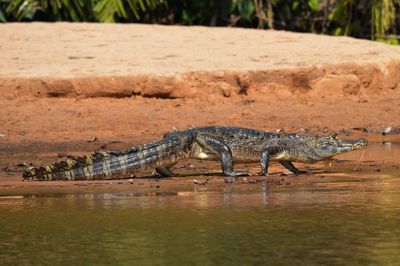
[92, 86]
[137, 119]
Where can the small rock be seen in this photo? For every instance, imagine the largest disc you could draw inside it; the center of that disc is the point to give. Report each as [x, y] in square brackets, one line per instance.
[199, 182]
[130, 181]
[22, 133]
[301, 130]
[362, 129]
[279, 130]
[94, 139]
[22, 164]
[388, 130]
[2, 135]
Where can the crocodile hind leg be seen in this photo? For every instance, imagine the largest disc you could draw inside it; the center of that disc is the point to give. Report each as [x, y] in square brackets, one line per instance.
[218, 147]
[165, 171]
[288, 165]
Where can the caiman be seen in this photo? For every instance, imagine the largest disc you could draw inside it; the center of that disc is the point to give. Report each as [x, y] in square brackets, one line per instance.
[229, 145]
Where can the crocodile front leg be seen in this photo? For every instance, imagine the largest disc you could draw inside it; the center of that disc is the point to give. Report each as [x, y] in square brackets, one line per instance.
[288, 165]
[264, 160]
[218, 147]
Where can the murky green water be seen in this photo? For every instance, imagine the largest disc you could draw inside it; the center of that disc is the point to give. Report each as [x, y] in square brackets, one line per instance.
[283, 227]
[333, 218]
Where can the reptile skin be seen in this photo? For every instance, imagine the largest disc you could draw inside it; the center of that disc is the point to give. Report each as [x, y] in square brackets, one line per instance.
[227, 144]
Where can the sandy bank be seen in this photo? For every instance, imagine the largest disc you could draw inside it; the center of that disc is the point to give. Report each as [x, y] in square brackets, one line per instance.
[65, 59]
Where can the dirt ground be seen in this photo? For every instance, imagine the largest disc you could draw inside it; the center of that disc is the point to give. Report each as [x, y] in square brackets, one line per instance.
[81, 87]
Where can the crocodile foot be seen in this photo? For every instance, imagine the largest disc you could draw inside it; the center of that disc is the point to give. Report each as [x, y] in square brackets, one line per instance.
[232, 177]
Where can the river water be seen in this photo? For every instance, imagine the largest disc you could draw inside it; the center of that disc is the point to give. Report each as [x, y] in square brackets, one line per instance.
[350, 220]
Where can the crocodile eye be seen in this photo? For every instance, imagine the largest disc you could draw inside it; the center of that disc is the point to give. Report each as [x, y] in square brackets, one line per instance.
[333, 135]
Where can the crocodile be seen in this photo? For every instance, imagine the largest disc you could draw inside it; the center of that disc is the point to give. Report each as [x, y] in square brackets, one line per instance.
[229, 145]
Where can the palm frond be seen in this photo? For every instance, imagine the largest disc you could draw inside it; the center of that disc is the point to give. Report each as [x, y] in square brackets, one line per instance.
[75, 10]
[112, 10]
[383, 14]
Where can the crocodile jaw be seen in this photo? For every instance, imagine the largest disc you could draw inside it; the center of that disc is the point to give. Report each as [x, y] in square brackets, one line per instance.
[340, 146]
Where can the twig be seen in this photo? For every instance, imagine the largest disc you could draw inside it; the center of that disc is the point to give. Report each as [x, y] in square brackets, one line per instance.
[359, 161]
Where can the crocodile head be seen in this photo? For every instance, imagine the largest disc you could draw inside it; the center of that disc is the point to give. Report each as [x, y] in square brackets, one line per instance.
[326, 147]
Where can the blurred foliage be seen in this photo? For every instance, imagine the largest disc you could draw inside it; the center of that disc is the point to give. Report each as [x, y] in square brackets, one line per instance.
[374, 19]
[75, 10]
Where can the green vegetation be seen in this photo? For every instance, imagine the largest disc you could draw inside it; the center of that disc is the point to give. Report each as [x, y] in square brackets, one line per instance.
[373, 19]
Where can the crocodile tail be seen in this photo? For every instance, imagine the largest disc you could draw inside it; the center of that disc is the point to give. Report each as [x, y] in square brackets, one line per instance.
[70, 169]
[108, 164]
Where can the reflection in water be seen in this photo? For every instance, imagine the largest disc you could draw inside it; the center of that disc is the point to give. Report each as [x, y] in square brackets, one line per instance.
[350, 218]
[387, 145]
[288, 226]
